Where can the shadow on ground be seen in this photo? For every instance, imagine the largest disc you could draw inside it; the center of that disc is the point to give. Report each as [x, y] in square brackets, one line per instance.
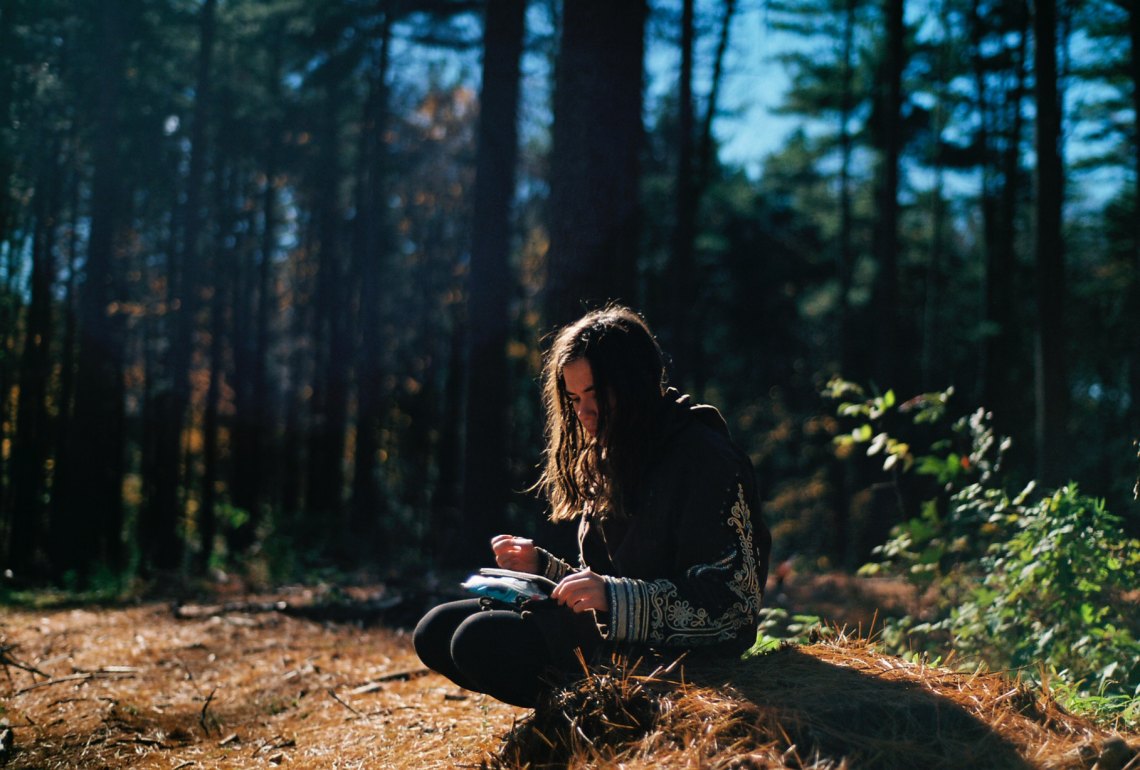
[824, 706]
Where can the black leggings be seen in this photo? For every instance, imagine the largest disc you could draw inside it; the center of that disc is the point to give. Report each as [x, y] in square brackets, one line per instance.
[511, 656]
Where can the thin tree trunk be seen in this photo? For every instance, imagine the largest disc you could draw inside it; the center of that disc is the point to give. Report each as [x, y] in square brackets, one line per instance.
[67, 362]
[845, 257]
[330, 380]
[31, 445]
[251, 447]
[207, 509]
[683, 277]
[705, 154]
[448, 500]
[886, 294]
[1001, 364]
[1134, 69]
[7, 85]
[1052, 396]
[840, 473]
[7, 167]
[369, 262]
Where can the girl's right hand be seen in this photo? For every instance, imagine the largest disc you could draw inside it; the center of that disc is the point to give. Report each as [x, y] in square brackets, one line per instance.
[517, 553]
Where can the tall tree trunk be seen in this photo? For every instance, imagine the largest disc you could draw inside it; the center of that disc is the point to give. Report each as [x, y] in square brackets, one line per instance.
[448, 500]
[486, 477]
[69, 308]
[159, 536]
[845, 255]
[87, 523]
[31, 445]
[297, 405]
[988, 388]
[1005, 361]
[683, 278]
[207, 509]
[593, 212]
[252, 449]
[840, 473]
[370, 250]
[702, 174]
[887, 243]
[7, 166]
[1134, 69]
[930, 367]
[7, 85]
[1052, 391]
[330, 377]
[705, 154]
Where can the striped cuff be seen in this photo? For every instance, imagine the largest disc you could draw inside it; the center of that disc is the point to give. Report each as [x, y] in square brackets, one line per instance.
[629, 617]
[550, 566]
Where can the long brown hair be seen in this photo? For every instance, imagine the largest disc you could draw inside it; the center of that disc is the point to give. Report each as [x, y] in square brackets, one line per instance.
[599, 472]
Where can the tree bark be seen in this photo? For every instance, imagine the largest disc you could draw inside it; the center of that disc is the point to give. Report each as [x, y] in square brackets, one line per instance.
[31, 444]
[159, 537]
[330, 376]
[845, 256]
[891, 138]
[1052, 389]
[87, 524]
[207, 509]
[369, 263]
[1133, 9]
[7, 83]
[593, 212]
[486, 476]
[684, 280]
[252, 446]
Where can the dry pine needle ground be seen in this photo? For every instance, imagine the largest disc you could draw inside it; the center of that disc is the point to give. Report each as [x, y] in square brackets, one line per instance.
[138, 687]
[828, 705]
[257, 690]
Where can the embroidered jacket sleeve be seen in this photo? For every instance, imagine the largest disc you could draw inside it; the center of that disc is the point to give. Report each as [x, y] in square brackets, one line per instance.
[551, 567]
[713, 590]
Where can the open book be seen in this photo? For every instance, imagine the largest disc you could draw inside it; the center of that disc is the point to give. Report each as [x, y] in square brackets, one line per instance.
[509, 586]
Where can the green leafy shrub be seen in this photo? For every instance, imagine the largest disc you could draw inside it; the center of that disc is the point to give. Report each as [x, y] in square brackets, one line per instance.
[1037, 583]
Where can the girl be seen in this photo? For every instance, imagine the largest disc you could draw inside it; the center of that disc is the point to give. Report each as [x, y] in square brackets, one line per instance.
[673, 554]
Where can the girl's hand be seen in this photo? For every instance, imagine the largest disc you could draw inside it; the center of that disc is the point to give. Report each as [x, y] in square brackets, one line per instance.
[517, 553]
[582, 591]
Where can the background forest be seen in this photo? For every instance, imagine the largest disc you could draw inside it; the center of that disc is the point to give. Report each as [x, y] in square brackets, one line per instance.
[275, 275]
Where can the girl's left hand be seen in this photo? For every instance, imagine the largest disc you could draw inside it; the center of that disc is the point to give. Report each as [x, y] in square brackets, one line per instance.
[582, 591]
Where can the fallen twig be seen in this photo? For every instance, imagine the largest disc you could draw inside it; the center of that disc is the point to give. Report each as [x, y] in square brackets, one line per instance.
[87, 676]
[403, 676]
[202, 716]
[6, 659]
[334, 611]
[346, 705]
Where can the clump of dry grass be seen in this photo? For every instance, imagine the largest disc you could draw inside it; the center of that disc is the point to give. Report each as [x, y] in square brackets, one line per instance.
[826, 706]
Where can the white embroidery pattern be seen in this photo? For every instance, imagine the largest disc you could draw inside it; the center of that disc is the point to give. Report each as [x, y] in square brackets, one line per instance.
[653, 611]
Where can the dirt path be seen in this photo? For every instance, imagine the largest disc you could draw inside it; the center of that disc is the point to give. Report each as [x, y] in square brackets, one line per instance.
[139, 688]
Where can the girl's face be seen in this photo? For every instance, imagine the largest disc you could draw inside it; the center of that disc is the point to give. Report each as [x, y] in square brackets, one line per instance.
[578, 380]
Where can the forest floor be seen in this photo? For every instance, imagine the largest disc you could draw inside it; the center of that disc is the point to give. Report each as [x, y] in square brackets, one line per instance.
[293, 679]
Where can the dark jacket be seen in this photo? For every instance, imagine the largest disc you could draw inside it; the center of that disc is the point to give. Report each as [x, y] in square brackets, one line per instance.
[686, 567]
